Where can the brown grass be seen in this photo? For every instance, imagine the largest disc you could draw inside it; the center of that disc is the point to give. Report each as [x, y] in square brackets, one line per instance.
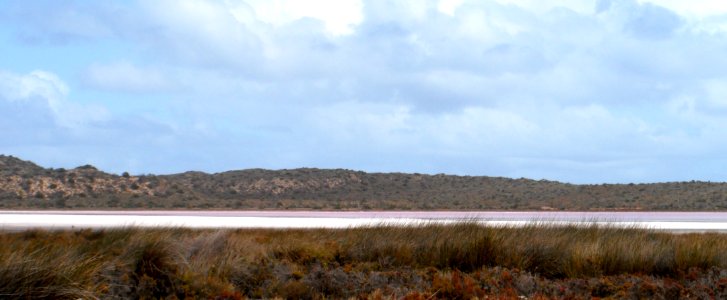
[459, 260]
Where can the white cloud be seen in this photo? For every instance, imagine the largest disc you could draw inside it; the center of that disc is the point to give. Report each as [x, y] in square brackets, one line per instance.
[482, 130]
[541, 7]
[449, 6]
[197, 32]
[385, 125]
[339, 16]
[693, 8]
[515, 87]
[41, 84]
[58, 24]
[126, 77]
[716, 92]
[47, 93]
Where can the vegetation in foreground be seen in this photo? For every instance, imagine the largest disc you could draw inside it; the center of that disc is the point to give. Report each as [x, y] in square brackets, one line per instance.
[462, 261]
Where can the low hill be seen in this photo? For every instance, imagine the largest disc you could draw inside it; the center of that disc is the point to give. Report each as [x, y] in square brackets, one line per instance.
[24, 184]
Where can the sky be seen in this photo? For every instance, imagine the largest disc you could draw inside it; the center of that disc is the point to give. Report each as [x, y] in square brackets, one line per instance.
[606, 91]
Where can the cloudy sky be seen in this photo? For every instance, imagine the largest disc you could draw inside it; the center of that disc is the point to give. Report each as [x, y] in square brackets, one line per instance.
[573, 90]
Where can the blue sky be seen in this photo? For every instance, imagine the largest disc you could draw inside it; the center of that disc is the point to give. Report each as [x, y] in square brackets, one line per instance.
[577, 91]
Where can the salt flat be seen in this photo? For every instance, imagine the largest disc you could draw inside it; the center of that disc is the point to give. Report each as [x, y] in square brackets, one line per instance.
[58, 219]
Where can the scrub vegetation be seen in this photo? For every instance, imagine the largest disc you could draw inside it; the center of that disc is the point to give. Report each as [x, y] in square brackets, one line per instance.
[28, 186]
[424, 261]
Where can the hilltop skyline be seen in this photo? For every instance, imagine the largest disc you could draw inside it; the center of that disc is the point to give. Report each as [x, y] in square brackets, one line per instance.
[575, 91]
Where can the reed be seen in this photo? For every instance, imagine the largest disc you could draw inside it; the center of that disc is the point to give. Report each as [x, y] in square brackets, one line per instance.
[422, 260]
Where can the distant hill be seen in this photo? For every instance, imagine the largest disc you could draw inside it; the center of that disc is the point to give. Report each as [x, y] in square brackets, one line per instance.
[24, 184]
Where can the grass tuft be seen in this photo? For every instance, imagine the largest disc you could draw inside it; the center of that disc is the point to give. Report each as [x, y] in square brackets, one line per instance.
[419, 261]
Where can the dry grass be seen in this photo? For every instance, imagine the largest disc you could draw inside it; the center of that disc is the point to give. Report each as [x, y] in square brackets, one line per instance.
[459, 260]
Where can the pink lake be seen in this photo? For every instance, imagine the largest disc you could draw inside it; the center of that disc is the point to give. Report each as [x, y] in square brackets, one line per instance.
[670, 221]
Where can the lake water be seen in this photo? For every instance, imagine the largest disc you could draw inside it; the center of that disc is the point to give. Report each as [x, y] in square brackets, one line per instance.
[670, 221]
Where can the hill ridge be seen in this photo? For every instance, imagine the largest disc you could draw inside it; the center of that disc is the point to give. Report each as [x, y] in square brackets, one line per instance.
[23, 184]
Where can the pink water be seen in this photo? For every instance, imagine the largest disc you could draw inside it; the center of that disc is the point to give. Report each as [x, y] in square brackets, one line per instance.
[426, 215]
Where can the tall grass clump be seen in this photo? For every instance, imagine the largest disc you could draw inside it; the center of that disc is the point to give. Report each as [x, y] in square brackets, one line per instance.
[422, 260]
[37, 266]
[549, 250]
[460, 246]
